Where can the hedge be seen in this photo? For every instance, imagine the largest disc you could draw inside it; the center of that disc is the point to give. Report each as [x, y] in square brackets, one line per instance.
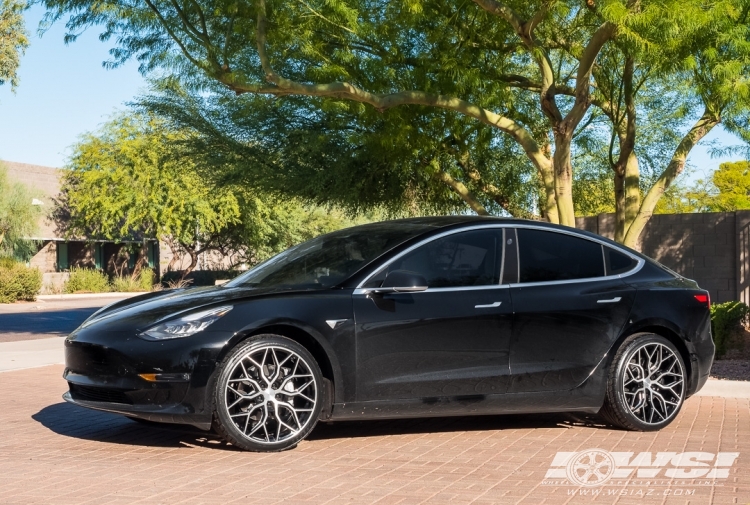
[18, 282]
[726, 318]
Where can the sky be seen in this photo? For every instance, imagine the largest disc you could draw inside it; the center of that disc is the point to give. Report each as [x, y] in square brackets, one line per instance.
[65, 92]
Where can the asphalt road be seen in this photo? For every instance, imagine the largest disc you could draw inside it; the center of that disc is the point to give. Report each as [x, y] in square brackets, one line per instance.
[30, 321]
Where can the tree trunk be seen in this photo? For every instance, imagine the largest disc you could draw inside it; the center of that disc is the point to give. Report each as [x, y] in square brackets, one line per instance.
[193, 262]
[563, 172]
[627, 197]
[549, 206]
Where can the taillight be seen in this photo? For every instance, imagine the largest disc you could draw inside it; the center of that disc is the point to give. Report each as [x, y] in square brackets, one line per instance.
[704, 299]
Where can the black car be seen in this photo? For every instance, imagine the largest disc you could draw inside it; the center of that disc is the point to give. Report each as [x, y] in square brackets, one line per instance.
[444, 316]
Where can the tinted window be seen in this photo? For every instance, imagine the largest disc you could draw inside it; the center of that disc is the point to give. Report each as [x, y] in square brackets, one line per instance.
[470, 258]
[327, 260]
[549, 256]
[619, 263]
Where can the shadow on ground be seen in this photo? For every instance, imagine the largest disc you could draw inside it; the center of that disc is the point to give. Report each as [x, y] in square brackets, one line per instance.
[72, 421]
[59, 322]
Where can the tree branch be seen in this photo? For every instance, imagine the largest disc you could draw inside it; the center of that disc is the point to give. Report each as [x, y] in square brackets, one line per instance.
[676, 165]
[382, 102]
[463, 192]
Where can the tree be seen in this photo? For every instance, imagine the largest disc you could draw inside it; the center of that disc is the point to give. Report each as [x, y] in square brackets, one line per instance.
[529, 70]
[13, 39]
[732, 187]
[124, 182]
[134, 179]
[18, 217]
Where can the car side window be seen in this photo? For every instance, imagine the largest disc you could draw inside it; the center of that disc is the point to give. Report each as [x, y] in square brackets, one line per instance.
[471, 258]
[617, 262]
[550, 256]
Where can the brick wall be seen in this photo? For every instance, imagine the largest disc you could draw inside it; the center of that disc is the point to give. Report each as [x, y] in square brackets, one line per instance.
[711, 248]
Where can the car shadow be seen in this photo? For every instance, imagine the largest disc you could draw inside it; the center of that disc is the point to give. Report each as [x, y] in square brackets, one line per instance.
[72, 421]
[85, 424]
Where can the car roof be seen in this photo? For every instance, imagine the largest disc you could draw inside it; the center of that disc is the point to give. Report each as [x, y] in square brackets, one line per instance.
[425, 225]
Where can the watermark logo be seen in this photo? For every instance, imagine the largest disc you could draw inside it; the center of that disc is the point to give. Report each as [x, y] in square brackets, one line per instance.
[597, 467]
[590, 468]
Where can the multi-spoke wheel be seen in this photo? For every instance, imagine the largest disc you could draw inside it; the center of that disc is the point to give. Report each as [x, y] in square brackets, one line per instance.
[268, 394]
[647, 384]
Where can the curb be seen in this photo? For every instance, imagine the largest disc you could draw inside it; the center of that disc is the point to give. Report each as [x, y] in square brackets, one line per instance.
[83, 296]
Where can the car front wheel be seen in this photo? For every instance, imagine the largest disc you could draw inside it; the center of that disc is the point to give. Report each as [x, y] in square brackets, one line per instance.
[647, 384]
[268, 394]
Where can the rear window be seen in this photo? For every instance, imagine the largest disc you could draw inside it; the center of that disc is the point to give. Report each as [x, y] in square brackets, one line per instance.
[550, 256]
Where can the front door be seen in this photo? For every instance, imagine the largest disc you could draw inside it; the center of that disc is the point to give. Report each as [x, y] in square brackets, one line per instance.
[448, 341]
[570, 306]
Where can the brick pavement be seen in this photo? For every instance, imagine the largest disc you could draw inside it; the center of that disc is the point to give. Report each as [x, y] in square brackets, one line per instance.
[52, 452]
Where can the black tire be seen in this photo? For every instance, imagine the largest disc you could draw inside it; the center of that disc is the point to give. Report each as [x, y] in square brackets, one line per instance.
[281, 412]
[644, 403]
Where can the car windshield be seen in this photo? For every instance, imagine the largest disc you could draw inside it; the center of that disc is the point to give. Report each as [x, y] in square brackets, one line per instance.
[327, 260]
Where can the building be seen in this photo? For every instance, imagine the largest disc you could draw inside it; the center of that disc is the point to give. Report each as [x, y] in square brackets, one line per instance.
[57, 254]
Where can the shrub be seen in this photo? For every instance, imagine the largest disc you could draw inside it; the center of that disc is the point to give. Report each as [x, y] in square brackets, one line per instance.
[143, 282]
[726, 318]
[86, 280]
[18, 282]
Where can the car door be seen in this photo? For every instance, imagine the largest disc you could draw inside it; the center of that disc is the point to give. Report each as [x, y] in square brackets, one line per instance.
[570, 305]
[451, 339]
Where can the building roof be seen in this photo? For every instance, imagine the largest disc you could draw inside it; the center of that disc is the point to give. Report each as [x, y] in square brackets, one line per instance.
[45, 181]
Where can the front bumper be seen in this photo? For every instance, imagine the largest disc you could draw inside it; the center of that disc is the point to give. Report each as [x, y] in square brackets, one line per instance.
[103, 371]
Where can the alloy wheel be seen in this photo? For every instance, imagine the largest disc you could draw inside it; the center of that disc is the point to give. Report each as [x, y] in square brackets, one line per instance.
[271, 394]
[654, 384]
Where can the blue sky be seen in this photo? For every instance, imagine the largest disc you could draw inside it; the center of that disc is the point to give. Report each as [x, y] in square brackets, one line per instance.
[65, 92]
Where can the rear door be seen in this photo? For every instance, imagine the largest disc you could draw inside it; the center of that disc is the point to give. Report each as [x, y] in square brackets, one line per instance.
[570, 305]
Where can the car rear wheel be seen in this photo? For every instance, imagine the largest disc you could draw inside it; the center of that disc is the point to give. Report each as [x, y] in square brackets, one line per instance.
[268, 394]
[647, 384]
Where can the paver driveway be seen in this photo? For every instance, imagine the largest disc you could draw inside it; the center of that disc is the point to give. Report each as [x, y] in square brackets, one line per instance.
[52, 452]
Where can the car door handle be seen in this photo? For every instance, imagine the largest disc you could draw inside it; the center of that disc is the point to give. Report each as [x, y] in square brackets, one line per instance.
[488, 306]
[611, 300]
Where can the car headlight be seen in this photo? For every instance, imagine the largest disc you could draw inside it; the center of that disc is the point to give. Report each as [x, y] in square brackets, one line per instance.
[186, 325]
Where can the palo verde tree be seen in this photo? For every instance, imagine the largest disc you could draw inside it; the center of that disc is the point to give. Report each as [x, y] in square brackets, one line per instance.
[137, 178]
[538, 72]
[124, 182]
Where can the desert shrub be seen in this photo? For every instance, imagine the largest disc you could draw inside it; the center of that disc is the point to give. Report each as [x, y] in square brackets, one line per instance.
[18, 282]
[86, 280]
[726, 318]
[143, 282]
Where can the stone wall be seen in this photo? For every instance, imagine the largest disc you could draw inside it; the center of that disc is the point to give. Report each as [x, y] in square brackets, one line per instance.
[711, 248]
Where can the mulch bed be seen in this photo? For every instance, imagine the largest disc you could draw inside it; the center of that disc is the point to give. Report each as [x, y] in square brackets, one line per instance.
[731, 369]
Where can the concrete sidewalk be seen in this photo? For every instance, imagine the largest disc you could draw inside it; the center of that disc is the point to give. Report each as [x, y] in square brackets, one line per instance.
[31, 353]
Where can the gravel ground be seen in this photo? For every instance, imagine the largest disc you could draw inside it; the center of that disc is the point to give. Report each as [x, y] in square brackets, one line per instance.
[731, 369]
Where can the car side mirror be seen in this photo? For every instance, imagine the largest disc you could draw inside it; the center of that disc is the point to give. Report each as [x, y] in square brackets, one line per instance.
[402, 281]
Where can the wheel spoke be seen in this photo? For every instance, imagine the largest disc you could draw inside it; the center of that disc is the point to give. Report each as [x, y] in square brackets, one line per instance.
[288, 398]
[653, 383]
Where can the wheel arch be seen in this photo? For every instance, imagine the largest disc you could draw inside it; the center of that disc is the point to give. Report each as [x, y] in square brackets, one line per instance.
[307, 338]
[663, 329]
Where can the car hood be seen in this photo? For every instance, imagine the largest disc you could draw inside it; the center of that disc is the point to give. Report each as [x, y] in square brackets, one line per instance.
[145, 310]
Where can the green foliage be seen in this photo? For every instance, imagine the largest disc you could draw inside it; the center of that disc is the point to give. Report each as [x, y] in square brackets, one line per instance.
[18, 282]
[732, 182]
[392, 103]
[144, 281]
[86, 280]
[726, 318]
[13, 40]
[18, 218]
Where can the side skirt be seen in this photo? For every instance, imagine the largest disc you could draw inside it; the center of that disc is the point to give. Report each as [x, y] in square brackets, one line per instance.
[587, 397]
